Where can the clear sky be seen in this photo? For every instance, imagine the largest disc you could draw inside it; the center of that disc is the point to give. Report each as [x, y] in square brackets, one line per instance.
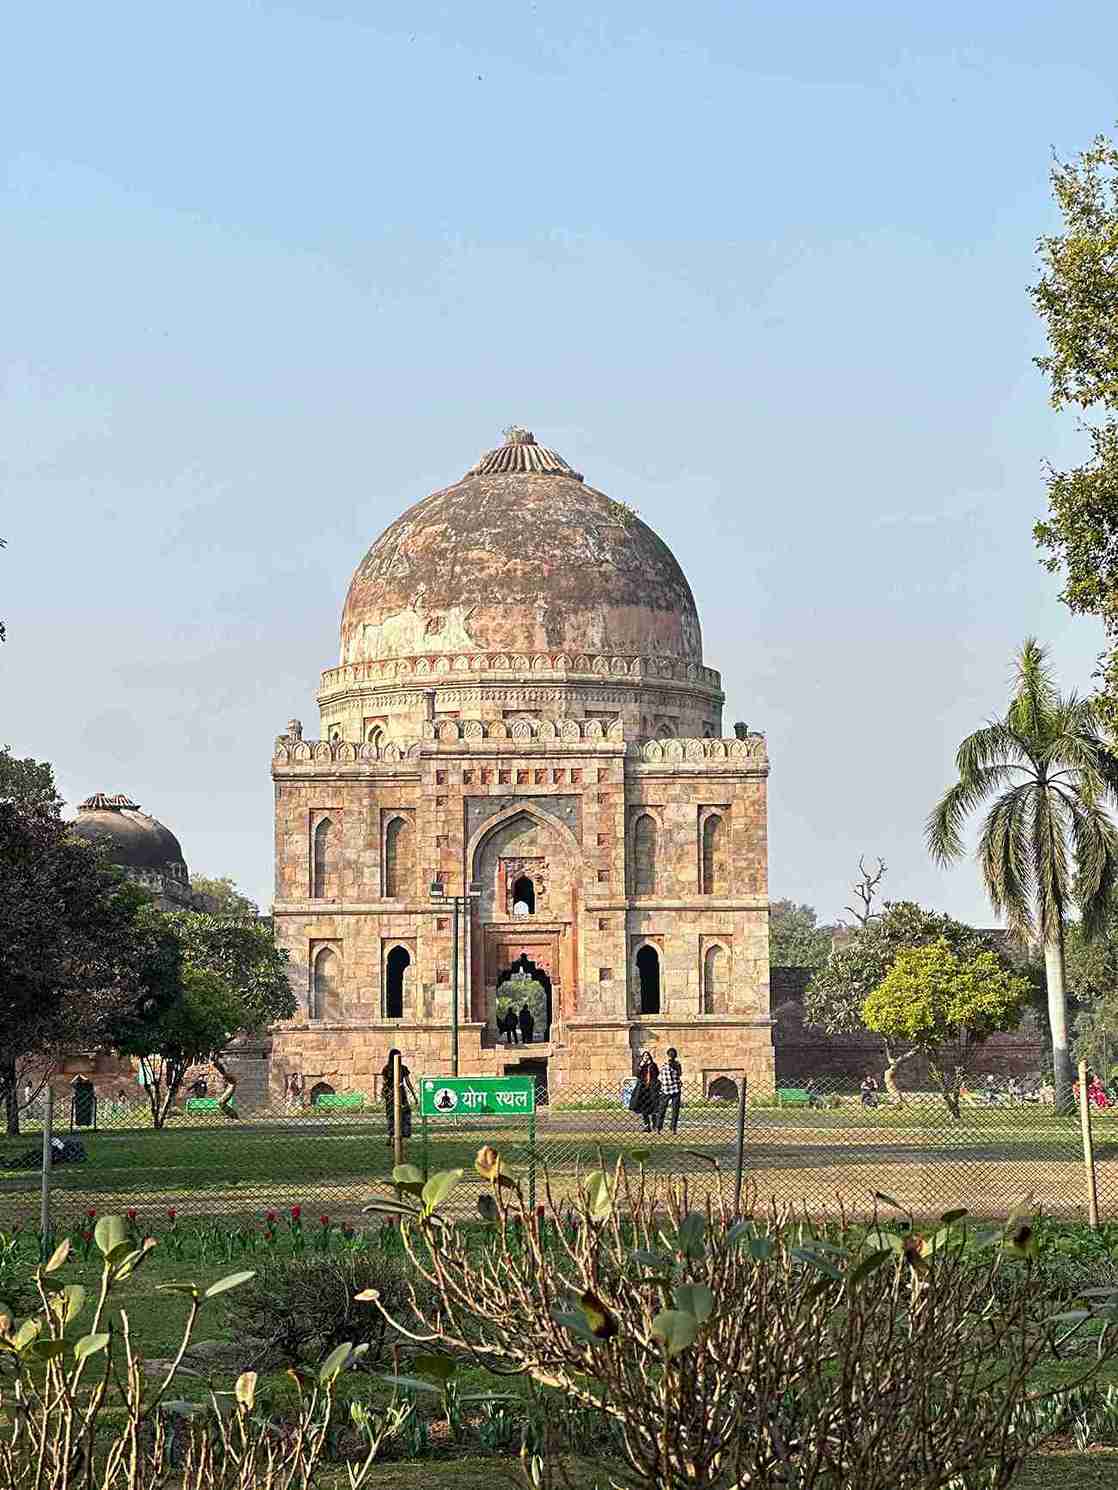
[271, 272]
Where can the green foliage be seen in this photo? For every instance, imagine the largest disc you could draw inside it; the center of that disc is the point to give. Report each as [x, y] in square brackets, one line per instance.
[224, 896]
[28, 783]
[930, 993]
[302, 1309]
[1047, 841]
[83, 953]
[837, 995]
[760, 1351]
[245, 957]
[794, 938]
[1076, 296]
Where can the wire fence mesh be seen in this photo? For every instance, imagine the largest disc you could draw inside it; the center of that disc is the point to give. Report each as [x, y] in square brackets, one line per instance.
[815, 1145]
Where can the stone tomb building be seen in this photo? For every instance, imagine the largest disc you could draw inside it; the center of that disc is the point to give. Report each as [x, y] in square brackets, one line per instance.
[522, 706]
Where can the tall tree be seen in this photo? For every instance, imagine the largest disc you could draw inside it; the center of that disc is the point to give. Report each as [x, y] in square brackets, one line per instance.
[931, 993]
[83, 953]
[1047, 842]
[836, 998]
[794, 938]
[235, 982]
[1077, 298]
[28, 783]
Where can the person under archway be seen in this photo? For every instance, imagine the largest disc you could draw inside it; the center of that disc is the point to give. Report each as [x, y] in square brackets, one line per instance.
[527, 1025]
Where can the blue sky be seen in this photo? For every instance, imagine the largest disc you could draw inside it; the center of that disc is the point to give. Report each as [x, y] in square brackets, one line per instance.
[272, 272]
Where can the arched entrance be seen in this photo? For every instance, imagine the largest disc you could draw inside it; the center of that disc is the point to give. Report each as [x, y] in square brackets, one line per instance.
[648, 977]
[525, 970]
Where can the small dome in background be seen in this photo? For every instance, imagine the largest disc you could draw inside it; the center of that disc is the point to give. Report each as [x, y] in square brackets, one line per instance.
[131, 838]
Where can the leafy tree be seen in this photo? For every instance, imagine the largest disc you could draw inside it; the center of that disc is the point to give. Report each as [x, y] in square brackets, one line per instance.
[794, 938]
[226, 899]
[1077, 298]
[29, 783]
[836, 998]
[930, 994]
[1092, 986]
[1047, 841]
[234, 983]
[83, 953]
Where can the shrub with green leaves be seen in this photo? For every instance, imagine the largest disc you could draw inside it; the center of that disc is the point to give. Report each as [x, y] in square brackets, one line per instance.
[760, 1351]
[301, 1308]
[78, 1410]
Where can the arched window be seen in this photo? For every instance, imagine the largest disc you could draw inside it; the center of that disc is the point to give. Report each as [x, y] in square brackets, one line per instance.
[376, 736]
[523, 897]
[399, 859]
[714, 856]
[715, 979]
[644, 855]
[395, 982]
[327, 992]
[648, 975]
[322, 857]
[664, 731]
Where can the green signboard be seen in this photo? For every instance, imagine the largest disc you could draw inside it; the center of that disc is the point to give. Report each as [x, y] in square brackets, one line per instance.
[476, 1096]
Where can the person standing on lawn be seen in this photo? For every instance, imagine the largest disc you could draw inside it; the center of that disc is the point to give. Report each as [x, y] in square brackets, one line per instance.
[646, 1094]
[388, 1087]
[671, 1091]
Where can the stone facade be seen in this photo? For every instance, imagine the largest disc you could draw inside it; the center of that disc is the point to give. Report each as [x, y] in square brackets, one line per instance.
[612, 842]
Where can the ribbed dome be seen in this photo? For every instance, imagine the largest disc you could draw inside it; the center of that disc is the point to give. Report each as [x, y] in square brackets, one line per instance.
[130, 837]
[520, 555]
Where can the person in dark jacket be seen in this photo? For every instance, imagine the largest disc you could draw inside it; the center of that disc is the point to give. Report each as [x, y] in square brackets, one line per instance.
[388, 1087]
[527, 1025]
[671, 1092]
[646, 1097]
[506, 1025]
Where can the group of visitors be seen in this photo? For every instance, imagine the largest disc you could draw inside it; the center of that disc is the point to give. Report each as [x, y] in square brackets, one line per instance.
[1097, 1094]
[511, 1025]
[658, 1092]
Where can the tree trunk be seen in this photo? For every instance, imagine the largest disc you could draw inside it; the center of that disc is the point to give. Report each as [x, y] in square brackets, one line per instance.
[9, 1087]
[893, 1063]
[1058, 1021]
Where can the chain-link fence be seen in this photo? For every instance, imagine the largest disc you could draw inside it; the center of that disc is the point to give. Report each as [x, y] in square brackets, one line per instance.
[816, 1145]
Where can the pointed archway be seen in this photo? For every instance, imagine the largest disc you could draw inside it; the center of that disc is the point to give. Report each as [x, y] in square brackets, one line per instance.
[525, 968]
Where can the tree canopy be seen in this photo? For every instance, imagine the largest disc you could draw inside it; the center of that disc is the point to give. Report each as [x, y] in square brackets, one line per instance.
[1047, 843]
[1076, 297]
[234, 982]
[28, 783]
[84, 955]
[225, 898]
[930, 993]
[795, 940]
[836, 997]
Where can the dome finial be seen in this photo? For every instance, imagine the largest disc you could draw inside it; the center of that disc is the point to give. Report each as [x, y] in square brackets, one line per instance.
[516, 434]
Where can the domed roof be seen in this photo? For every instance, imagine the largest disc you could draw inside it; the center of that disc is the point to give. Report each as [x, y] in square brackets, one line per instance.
[519, 556]
[130, 837]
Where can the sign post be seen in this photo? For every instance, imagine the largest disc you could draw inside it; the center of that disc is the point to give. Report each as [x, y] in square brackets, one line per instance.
[477, 1096]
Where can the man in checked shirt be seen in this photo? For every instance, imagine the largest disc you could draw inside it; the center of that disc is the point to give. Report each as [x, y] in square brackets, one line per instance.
[671, 1090]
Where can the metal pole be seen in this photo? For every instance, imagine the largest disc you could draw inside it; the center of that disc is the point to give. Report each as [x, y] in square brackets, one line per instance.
[44, 1203]
[454, 985]
[1088, 1150]
[397, 1115]
[741, 1149]
[532, 1162]
[426, 1151]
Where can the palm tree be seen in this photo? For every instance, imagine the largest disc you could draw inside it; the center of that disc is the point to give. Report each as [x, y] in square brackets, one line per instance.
[1047, 841]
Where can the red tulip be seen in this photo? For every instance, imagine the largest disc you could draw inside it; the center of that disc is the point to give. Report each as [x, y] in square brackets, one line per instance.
[271, 1218]
[91, 1213]
[87, 1237]
[324, 1220]
[296, 1212]
[131, 1213]
[171, 1213]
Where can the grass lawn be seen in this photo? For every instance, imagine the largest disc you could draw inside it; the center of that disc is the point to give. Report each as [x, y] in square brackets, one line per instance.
[211, 1166]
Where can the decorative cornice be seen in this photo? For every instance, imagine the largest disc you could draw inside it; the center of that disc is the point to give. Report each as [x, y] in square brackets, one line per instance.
[560, 665]
[520, 455]
[520, 733]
